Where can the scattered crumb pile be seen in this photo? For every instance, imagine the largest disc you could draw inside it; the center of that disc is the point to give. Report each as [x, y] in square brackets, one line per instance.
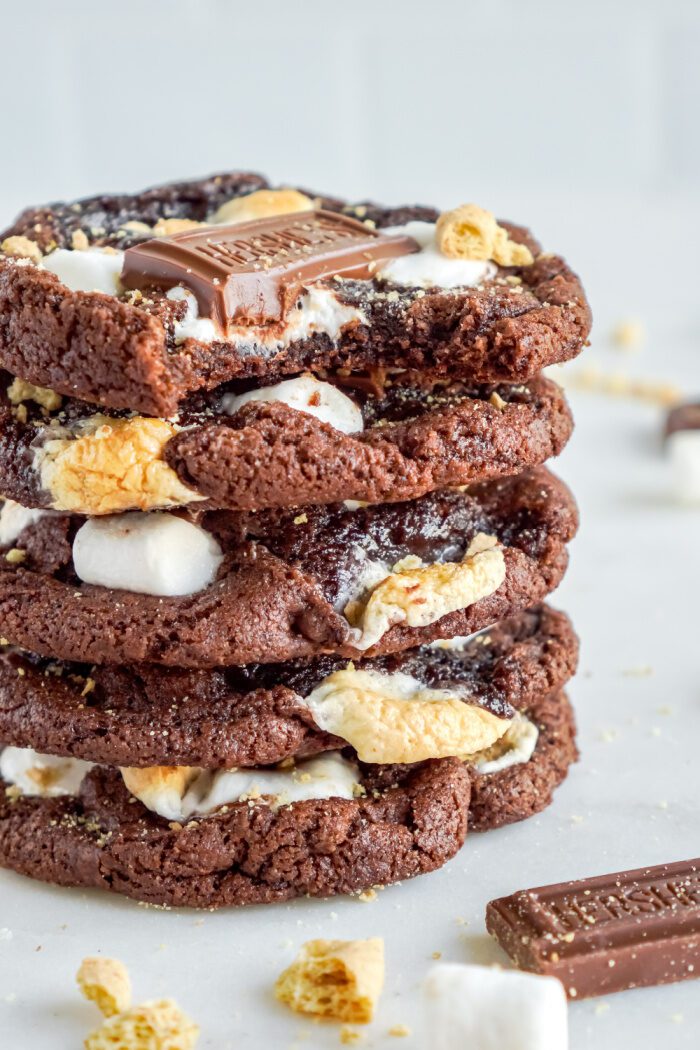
[155, 1025]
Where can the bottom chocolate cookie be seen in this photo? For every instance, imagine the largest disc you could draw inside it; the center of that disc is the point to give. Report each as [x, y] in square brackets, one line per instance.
[505, 793]
[249, 852]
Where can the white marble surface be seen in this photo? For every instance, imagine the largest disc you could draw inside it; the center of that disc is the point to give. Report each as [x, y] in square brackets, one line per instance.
[632, 800]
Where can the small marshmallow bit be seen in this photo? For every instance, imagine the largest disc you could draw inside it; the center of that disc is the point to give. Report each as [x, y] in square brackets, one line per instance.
[305, 394]
[489, 1008]
[340, 980]
[92, 270]
[46, 776]
[683, 449]
[14, 519]
[149, 553]
[106, 983]
[430, 268]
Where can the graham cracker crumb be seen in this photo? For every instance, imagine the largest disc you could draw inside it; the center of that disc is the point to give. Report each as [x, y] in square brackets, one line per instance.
[16, 556]
[629, 334]
[341, 980]
[399, 1030]
[21, 248]
[79, 241]
[105, 982]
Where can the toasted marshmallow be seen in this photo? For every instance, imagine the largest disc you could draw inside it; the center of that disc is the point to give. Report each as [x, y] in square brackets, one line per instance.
[154, 553]
[429, 268]
[394, 718]
[418, 594]
[180, 792]
[45, 775]
[91, 270]
[490, 1008]
[305, 394]
[14, 519]
[517, 745]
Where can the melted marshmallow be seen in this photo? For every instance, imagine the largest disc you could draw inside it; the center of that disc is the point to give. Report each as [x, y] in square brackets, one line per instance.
[429, 268]
[179, 794]
[150, 553]
[517, 745]
[14, 518]
[45, 775]
[306, 394]
[91, 270]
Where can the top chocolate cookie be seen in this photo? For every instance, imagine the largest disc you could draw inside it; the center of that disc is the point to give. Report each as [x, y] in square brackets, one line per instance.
[138, 301]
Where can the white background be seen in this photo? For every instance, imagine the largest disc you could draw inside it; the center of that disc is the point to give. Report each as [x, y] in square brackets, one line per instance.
[579, 120]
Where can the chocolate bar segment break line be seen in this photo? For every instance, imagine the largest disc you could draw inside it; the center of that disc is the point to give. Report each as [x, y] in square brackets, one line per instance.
[606, 934]
[253, 272]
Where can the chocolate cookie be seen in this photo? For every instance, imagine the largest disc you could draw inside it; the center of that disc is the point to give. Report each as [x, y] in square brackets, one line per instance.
[144, 350]
[524, 789]
[286, 580]
[255, 715]
[418, 434]
[246, 853]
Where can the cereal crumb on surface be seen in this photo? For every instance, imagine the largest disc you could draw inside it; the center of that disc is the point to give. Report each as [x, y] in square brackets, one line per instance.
[602, 1008]
[348, 1036]
[629, 334]
[399, 1030]
[106, 983]
[367, 896]
[341, 980]
[156, 1025]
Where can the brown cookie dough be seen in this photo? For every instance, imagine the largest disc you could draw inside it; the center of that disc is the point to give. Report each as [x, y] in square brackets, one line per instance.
[421, 434]
[522, 790]
[122, 351]
[285, 576]
[148, 716]
[245, 853]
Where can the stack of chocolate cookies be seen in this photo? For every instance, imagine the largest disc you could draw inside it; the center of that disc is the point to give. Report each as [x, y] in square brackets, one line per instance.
[276, 538]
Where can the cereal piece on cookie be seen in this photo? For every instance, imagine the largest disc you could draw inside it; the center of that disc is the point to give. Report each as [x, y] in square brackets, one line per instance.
[341, 980]
[106, 983]
[471, 232]
[156, 1025]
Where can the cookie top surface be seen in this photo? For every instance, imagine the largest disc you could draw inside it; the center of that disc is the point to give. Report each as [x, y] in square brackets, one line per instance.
[286, 584]
[147, 346]
[258, 715]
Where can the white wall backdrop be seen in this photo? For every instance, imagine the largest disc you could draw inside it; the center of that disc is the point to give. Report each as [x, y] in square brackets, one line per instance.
[578, 119]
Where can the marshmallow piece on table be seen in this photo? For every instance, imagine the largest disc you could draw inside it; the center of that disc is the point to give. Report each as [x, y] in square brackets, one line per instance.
[92, 270]
[486, 1008]
[306, 394]
[149, 553]
[683, 451]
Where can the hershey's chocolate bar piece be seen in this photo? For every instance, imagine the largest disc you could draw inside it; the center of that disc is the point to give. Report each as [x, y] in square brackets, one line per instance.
[606, 934]
[683, 417]
[252, 272]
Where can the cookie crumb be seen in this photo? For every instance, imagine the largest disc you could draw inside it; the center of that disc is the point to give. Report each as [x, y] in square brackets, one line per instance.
[155, 1025]
[106, 983]
[341, 980]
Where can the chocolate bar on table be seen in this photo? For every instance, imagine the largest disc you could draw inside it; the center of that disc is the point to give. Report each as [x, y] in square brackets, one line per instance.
[606, 934]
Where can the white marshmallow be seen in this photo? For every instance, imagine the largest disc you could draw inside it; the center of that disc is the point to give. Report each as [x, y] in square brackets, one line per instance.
[517, 745]
[328, 776]
[429, 268]
[491, 1009]
[306, 394]
[150, 553]
[192, 325]
[92, 270]
[45, 775]
[14, 518]
[683, 448]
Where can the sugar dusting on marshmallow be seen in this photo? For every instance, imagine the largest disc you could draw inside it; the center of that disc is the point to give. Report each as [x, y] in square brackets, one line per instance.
[179, 792]
[45, 775]
[150, 553]
[429, 268]
[492, 1009]
[305, 394]
[90, 270]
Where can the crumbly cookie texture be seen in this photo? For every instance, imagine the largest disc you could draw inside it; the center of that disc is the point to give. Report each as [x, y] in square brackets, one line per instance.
[21, 248]
[262, 205]
[112, 465]
[339, 980]
[156, 1025]
[106, 983]
[20, 390]
[392, 719]
[418, 594]
[471, 232]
